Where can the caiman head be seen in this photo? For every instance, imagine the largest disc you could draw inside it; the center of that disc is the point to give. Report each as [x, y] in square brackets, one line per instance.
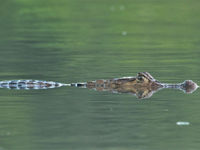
[147, 85]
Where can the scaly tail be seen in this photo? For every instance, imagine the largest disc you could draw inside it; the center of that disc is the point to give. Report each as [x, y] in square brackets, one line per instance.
[30, 84]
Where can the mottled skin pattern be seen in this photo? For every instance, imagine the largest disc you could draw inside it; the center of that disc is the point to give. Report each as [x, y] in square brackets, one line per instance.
[143, 85]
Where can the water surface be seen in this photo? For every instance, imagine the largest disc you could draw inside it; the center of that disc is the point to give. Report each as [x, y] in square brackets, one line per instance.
[69, 41]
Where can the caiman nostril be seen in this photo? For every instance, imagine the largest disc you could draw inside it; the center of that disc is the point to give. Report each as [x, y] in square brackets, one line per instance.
[189, 86]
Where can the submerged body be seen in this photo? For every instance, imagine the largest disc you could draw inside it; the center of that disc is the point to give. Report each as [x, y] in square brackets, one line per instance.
[143, 85]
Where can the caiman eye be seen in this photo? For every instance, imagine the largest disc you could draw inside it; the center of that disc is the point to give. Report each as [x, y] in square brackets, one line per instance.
[140, 78]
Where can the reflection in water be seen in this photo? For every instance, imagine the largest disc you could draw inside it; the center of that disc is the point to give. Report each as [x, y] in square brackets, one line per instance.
[143, 85]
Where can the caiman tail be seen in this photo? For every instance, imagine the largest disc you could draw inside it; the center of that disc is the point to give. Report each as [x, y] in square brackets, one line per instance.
[36, 84]
[30, 84]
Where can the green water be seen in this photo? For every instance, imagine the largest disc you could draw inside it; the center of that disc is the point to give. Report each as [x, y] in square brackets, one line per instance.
[80, 40]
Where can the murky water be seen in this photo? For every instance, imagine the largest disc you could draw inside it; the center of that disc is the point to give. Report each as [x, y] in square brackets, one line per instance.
[69, 41]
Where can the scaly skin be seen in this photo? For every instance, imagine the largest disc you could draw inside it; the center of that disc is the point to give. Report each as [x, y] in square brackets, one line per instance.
[143, 85]
[29, 84]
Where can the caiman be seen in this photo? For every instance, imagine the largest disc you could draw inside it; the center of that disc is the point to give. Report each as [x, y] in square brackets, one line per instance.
[143, 85]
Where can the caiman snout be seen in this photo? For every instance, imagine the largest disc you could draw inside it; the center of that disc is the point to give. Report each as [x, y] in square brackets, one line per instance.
[189, 86]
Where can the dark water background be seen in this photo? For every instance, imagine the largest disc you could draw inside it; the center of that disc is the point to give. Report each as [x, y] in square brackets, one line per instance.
[80, 40]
